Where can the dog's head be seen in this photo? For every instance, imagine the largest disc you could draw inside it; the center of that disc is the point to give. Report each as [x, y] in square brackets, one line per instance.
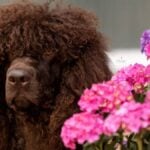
[44, 51]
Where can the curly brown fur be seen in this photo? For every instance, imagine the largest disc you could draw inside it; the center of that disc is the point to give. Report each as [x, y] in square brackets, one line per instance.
[67, 42]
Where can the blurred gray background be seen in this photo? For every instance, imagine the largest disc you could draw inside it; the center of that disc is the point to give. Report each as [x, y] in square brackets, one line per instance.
[122, 21]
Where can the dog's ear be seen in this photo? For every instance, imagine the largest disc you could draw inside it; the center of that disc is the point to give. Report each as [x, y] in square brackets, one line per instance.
[91, 68]
[78, 46]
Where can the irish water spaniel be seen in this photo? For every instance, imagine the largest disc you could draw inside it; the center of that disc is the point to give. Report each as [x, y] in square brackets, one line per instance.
[48, 56]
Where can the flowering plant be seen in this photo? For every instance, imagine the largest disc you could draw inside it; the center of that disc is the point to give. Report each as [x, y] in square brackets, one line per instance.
[115, 115]
[145, 43]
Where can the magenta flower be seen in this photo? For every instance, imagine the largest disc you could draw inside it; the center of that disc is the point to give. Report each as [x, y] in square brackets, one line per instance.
[112, 124]
[80, 128]
[130, 117]
[105, 96]
[137, 75]
[147, 50]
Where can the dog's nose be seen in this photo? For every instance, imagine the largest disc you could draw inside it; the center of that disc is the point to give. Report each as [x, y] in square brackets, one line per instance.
[18, 76]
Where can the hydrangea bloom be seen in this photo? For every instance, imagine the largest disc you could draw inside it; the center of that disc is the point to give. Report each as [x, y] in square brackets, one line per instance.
[131, 117]
[137, 75]
[80, 128]
[105, 96]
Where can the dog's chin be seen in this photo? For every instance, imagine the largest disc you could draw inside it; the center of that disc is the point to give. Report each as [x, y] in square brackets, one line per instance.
[22, 106]
[19, 108]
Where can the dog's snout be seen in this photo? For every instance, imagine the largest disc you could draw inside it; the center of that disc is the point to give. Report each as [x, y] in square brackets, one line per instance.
[22, 84]
[18, 77]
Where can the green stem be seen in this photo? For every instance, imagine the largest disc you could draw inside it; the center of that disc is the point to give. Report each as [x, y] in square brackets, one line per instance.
[138, 140]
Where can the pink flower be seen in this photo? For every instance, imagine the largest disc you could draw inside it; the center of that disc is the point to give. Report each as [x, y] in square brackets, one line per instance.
[147, 50]
[130, 117]
[105, 96]
[137, 75]
[147, 97]
[81, 127]
[147, 73]
[112, 124]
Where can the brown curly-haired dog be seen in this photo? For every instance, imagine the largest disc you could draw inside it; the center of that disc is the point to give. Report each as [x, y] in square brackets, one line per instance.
[47, 58]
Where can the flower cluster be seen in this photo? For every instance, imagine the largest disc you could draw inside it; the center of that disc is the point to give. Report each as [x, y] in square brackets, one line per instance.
[105, 96]
[145, 42]
[137, 75]
[80, 128]
[131, 117]
[108, 107]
